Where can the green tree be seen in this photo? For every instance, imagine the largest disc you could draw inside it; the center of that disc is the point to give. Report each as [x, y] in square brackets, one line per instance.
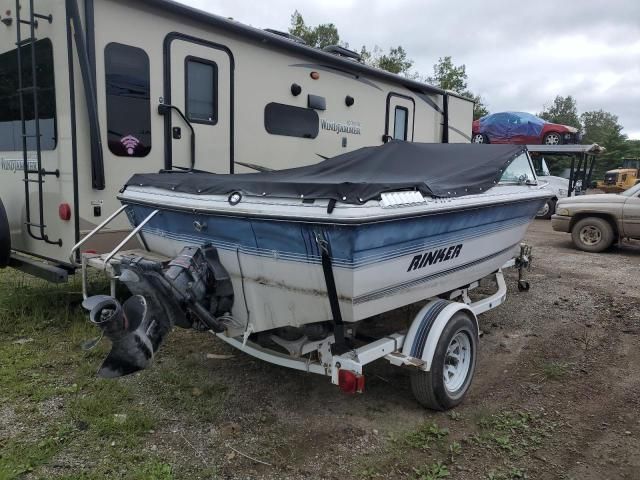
[601, 127]
[448, 76]
[319, 36]
[604, 129]
[563, 110]
[395, 61]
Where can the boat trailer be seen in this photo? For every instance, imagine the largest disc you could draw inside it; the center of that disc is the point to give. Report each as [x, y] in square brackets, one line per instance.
[439, 347]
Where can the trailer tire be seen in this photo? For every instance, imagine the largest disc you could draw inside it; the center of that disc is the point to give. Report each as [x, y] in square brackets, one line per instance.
[592, 234]
[548, 210]
[5, 237]
[430, 388]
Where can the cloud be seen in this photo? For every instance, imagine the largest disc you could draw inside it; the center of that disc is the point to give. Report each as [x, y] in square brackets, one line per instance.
[519, 55]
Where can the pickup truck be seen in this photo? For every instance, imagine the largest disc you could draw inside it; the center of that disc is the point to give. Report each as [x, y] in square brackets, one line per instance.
[596, 221]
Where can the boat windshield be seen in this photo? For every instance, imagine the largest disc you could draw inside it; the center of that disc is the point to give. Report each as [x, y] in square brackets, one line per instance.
[519, 171]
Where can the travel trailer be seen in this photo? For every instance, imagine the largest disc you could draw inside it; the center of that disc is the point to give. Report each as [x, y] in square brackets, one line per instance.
[94, 91]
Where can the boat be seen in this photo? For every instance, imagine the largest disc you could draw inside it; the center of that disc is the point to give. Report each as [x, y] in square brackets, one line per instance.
[309, 252]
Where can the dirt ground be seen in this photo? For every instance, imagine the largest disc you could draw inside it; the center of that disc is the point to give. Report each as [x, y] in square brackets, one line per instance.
[556, 396]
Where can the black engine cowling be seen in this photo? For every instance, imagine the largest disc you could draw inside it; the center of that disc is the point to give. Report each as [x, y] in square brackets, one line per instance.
[5, 237]
[193, 290]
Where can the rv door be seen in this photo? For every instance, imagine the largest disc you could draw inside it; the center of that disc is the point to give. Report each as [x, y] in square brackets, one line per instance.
[199, 83]
[400, 117]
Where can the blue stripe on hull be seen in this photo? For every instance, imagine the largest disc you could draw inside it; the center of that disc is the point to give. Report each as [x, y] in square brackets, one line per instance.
[352, 246]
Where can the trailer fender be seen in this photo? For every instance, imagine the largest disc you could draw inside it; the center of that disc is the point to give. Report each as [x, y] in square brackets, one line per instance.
[5, 237]
[423, 335]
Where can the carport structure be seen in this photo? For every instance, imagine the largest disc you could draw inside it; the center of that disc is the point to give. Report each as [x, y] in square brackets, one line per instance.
[583, 159]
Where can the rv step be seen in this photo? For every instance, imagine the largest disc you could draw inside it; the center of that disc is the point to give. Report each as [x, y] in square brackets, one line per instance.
[28, 22]
[55, 172]
[26, 41]
[38, 268]
[48, 18]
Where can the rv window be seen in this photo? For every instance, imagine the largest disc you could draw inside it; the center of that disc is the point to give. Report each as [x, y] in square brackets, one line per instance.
[281, 119]
[400, 124]
[201, 91]
[128, 100]
[10, 123]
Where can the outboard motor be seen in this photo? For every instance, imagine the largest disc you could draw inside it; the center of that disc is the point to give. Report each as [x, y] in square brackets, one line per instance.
[193, 291]
[5, 238]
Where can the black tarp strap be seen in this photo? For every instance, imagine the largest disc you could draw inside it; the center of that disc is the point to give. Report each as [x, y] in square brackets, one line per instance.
[332, 292]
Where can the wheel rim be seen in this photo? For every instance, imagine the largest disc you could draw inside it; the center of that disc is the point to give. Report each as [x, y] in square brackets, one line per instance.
[479, 138]
[544, 210]
[590, 235]
[457, 362]
[552, 139]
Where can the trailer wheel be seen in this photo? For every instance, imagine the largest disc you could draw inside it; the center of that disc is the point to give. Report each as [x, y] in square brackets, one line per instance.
[453, 366]
[547, 210]
[592, 234]
[5, 237]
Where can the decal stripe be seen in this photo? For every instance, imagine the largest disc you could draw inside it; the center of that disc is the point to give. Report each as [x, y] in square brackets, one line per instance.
[435, 242]
[460, 132]
[376, 295]
[420, 339]
[338, 71]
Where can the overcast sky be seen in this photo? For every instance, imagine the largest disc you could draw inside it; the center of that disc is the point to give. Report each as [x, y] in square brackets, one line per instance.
[519, 54]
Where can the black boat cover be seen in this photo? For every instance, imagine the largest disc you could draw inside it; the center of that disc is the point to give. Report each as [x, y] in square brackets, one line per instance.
[441, 170]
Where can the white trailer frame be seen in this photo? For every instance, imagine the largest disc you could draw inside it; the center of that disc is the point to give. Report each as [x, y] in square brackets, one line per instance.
[390, 347]
[394, 347]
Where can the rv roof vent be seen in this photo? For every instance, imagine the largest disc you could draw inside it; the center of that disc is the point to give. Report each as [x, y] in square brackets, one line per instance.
[293, 38]
[343, 52]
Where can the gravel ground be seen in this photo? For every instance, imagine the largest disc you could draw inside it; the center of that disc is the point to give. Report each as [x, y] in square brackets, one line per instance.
[556, 395]
[565, 353]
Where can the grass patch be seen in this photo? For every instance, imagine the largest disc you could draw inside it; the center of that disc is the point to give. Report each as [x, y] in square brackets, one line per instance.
[434, 471]
[512, 433]
[186, 384]
[425, 436]
[20, 456]
[555, 370]
[49, 385]
[108, 410]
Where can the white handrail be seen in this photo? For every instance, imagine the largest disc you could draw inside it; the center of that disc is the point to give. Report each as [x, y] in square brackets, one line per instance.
[133, 233]
[92, 233]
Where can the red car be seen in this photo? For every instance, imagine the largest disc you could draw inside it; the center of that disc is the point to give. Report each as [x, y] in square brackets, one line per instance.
[521, 128]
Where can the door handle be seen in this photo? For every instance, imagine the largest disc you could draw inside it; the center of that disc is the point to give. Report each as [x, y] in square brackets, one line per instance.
[165, 109]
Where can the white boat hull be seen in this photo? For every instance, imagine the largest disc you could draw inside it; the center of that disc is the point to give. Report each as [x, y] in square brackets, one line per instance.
[276, 269]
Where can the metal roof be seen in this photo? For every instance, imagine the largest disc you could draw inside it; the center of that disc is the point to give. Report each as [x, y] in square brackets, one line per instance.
[277, 41]
[593, 149]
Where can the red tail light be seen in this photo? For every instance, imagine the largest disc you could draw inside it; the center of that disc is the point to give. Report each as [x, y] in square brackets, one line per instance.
[350, 382]
[64, 210]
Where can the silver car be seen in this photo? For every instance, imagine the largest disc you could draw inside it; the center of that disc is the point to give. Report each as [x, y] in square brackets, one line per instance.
[596, 221]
